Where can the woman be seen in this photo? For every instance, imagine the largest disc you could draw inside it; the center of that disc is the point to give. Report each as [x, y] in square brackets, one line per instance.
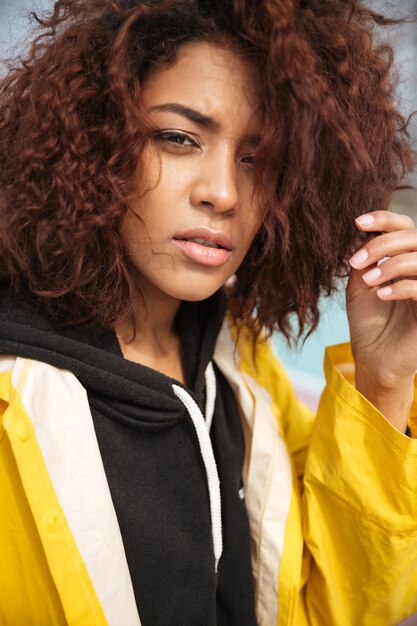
[153, 455]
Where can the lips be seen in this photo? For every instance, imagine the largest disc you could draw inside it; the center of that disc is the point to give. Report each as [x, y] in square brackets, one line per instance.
[204, 246]
[199, 235]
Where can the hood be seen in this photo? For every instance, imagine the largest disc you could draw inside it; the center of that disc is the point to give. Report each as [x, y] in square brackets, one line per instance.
[120, 389]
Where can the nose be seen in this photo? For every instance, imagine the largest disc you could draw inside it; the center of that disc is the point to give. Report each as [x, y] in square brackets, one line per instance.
[215, 184]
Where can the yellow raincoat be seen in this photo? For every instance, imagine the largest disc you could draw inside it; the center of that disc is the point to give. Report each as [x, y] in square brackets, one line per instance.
[332, 501]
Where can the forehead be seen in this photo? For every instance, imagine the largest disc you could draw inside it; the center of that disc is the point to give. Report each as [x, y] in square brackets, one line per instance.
[209, 78]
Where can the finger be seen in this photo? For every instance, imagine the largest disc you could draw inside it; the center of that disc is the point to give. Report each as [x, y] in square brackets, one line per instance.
[384, 221]
[402, 290]
[396, 267]
[386, 245]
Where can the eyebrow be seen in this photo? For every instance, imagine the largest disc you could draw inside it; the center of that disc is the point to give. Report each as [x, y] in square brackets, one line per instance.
[190, 114]
[198, 118]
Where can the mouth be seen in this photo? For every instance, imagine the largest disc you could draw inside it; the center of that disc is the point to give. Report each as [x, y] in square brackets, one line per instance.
[206, 237]
[203, 242]
[204, 246]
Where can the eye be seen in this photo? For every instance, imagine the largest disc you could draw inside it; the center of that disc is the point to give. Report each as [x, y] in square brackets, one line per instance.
[176, 138]
[248, 159]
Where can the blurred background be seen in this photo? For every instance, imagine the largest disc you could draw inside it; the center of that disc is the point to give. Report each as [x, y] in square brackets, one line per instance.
[304, 364]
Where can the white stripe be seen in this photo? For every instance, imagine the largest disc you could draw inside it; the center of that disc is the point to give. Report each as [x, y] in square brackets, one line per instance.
[211, 468]
[58, 407]
[268, 498]
[268, 484]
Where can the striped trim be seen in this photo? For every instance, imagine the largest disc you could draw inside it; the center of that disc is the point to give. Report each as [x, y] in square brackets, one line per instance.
[71, 502]
[268, 486]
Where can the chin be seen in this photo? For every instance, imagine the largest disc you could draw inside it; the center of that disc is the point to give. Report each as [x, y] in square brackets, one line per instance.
[195, 295]
[194, 292]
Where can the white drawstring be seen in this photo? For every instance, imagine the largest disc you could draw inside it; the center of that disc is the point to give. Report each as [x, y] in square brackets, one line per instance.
[210, 394]
[207, 454]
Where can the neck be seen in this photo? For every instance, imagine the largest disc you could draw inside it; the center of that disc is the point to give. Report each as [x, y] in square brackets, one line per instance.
[153, 324]
[151, 339]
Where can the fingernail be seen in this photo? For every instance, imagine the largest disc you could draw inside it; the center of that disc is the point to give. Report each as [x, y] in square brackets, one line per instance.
[365, 220]
[359, 258]
[372, 275]
[385, 291]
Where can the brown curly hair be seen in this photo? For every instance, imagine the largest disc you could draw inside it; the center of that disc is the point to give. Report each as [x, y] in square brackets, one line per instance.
[72, 132]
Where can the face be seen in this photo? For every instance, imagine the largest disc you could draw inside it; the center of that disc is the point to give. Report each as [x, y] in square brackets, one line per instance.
[197, 215]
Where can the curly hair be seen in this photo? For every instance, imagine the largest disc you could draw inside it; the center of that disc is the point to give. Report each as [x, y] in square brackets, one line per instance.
[72, 133]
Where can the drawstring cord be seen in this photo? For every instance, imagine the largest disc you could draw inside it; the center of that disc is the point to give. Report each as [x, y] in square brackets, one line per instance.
[202, 430]
[210, 394]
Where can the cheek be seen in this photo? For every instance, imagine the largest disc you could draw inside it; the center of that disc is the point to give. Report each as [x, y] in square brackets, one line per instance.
[254, 223]
[249, 237]
[133, 233]
[247, 241]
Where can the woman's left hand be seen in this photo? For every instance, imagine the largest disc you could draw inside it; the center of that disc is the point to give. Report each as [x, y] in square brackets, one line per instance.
[381, 303]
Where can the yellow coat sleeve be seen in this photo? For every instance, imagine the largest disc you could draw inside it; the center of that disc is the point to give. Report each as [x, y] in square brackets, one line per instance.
[359, 509]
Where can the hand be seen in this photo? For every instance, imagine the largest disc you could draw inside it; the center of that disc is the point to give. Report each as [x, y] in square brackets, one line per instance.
[381, 302]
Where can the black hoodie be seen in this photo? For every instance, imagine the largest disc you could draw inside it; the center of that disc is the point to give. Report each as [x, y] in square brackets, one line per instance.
[153, 462]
